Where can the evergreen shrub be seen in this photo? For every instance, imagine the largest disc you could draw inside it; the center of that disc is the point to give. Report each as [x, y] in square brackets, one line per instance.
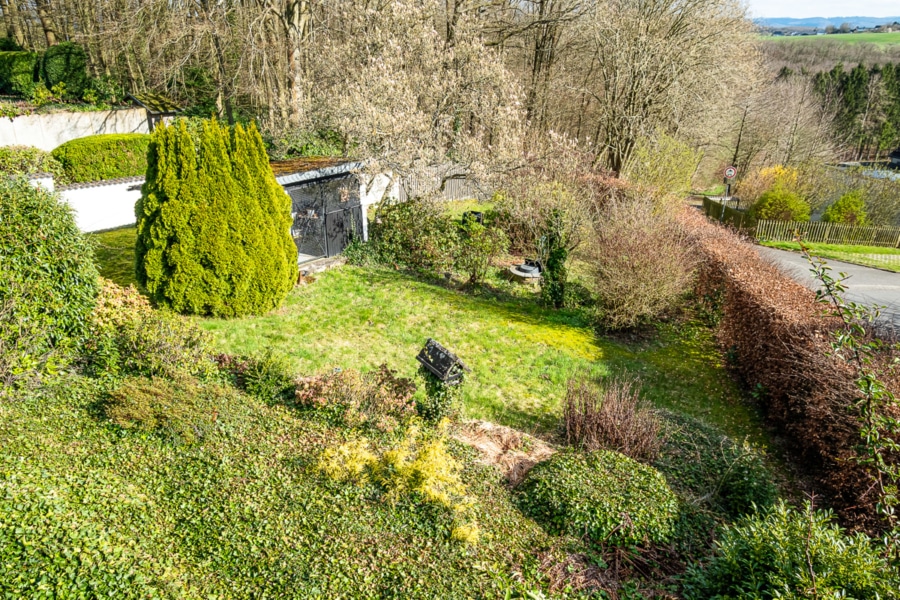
[213, 225]
[416, 234]
[786, 553]
[48, 282]
[65, 63]
[27, 160]
[104, 156]
[17, 72]
[603, 495]
[849, 209]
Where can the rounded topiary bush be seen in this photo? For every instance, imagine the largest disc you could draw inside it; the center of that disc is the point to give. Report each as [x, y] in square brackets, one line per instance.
[780, 204]
[604, 495]
[104, 156]
[213, 225]
[48, 282]
[65, 63]
[785, 553]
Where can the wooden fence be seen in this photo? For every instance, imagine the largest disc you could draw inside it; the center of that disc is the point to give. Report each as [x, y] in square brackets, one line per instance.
[736, 218]
[828, 233]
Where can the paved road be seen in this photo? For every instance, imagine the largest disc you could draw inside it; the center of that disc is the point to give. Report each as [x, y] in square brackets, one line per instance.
[865, 285]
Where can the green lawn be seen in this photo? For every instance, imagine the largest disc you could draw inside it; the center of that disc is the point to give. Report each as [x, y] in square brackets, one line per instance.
[870, 256]
[521, 354]
[880, 39]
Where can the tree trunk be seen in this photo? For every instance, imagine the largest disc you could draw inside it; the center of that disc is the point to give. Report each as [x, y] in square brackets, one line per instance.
[13, 21]
[45, 11]
[297, 22]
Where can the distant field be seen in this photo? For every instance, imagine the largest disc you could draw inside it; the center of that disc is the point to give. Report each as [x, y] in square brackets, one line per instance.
[879, 39]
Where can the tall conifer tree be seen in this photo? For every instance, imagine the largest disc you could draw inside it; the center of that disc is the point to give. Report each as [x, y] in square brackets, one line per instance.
[213, 224]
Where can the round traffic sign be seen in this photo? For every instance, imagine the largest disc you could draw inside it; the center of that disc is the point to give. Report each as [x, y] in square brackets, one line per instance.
[730, 172]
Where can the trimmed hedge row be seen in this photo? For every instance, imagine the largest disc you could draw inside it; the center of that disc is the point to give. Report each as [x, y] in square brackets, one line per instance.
[773, 330]
[104, 156]
[65, 63]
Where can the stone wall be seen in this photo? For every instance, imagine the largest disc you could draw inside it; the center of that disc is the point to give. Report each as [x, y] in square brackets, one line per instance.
[47, 131]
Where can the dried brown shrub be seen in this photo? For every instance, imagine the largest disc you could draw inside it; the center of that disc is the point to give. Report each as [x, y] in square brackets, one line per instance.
[641, 262]
[613, 416]
[780, 343]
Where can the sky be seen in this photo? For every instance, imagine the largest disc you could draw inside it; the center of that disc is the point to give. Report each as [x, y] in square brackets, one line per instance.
[824, 8]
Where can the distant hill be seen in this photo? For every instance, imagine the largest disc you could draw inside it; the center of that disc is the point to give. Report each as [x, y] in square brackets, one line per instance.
[822, 22]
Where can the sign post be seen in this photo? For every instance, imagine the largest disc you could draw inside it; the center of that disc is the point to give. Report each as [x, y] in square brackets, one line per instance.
[730, 173]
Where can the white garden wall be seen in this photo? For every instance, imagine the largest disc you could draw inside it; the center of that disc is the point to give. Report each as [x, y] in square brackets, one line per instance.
[47, 131]
[103, 205]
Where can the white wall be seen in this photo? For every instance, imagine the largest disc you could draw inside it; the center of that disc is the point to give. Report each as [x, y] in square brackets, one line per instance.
[47, 131]
[103, 206]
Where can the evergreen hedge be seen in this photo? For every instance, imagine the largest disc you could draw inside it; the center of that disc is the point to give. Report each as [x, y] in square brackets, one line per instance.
[104, 156]
[65, 63]
[17, 72]
[212, 223]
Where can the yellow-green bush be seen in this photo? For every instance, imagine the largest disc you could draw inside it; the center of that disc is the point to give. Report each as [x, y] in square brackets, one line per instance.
[213, 225]
[780, 204]
[104, 156]
[849, 209]
[27, 160]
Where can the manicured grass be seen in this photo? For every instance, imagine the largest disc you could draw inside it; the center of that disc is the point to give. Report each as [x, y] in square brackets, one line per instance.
[115, 254]
[871, 256]
[879, 39]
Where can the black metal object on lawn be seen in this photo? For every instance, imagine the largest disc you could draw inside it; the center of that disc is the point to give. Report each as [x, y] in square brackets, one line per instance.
[474, 214]
[442, 363]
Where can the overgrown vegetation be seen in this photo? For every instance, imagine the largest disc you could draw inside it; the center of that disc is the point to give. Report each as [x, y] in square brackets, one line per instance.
[25, 160]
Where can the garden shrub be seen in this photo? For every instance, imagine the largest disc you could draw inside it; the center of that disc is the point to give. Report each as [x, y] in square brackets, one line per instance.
[603, 495]
[27, 160]
[419, 467]
[128, 337]
[786, 553]
[378, 399]
[65, 63]
[707, 467]
[780, 204]
[179, 409]
[213, 225]
[663, 167]
[17, 73]
[555, 254]
[8, 44]
[267, 377]
[849, 209]
[416, 234]
[478, 246]
[104, 156]
[48, 282]
[610, 416]
[641, 263]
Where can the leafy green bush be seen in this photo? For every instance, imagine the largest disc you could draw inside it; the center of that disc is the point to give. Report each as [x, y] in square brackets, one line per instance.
[127, 337]
[706, 467]
[48, 282]
[267, 377]
[65, 63]
[604, 495]
[26, 160]
[416, 234]
[785, 553]
[556, 251]
[104, 156]
[213, 225]
[849, 209]
[478, 246]
[17, 72]
[780, 204]
[180, 409]
[9, 45]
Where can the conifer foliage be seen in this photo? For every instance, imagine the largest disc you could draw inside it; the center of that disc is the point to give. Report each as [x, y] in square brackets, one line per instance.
[213, 224]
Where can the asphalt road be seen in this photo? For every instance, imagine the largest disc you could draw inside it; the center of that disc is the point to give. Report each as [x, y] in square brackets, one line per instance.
[865, 285]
